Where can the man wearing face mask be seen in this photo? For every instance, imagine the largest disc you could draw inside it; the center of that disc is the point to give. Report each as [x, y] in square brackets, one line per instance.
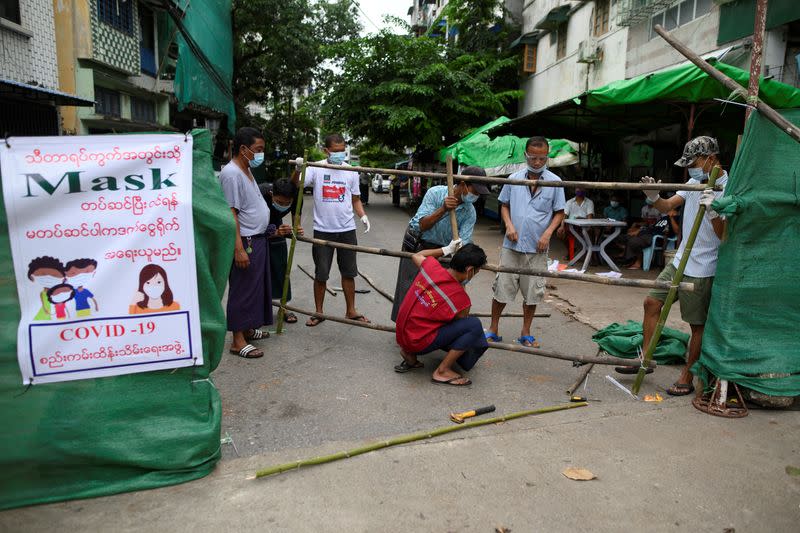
[249, 293]
[700, 155]
[430, 227]
[46, 272]
[615, 211]
[79, 274]
[531, 214]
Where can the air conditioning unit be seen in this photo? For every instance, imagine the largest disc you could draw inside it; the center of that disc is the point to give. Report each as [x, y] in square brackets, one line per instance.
[589, 51]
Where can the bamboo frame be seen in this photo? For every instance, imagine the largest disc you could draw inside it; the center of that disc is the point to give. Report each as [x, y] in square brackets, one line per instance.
[372, 284]
[405, 439]
[290, 258]
[453, 220]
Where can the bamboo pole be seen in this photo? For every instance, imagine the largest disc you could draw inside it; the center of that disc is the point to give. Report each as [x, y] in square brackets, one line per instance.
[673, 291]
[375, 286]
[576, 276]
[601, 360]
[581, 377]
[607, 186]
[311, 276]
[770, 114]
[453, 220]
[405, 439]
[756, 53]
[295, 225]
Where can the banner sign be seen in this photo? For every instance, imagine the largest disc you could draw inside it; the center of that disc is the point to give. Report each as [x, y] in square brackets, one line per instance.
[103, 248]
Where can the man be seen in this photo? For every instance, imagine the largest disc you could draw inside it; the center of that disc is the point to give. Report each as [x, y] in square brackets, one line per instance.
[650, 214]
[79, 274]
[615, 211]
[435, 314]
[249, 293]
[336, 198]
[430, 227]
[641, 236]
[531, 214]
[700, 155]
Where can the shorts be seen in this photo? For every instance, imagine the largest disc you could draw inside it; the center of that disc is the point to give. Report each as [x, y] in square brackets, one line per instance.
[507, 285]
[463, 334]
[323, 255]
[83, 312]
[694, 305]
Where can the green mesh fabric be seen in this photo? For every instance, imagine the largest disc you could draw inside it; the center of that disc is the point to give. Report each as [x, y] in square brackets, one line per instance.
[622, 340]
[96, 437]
[751, 334]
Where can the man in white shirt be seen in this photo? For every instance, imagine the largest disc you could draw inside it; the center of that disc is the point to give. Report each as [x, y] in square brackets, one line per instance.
[700, 155]
[336, 198]
[576, 207]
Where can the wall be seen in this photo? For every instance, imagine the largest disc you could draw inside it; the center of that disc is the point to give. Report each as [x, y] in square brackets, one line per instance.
[28, 50]
[113, 47]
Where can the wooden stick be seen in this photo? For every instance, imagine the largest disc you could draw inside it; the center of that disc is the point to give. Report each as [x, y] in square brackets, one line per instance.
[510, 315]
[290, 258]
[581, 377]
[601, 360]
[673, 291]
[311, 276]
[576, 276]
[608, 186]
[453, 220]
[375, 286]
[770, 114]
[294, 465]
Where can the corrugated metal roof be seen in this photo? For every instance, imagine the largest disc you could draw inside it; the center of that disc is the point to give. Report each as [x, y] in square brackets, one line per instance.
[41, 94]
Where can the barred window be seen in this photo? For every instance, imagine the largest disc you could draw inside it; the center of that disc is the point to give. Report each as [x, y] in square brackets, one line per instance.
[116, 13]
[106, 102]
[142, 110]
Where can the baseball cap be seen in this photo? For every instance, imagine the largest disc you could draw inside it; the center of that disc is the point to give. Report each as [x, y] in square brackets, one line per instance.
[480, 188]
[698, 146]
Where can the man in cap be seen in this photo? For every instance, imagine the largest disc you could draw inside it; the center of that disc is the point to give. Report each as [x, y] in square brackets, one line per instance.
[700, 155]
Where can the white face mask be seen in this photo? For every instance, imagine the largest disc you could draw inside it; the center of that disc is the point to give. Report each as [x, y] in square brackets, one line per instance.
[80, 280]
[47, 282]
[614, 203]
[153, 289]
[60, 297]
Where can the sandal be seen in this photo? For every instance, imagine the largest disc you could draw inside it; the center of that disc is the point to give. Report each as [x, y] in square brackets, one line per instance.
[528, 341]
[248, 352]
[290, 318]
[680, 389]
[452, 381]
[404, 367]
[257, 335]
[358, 318]
[314, 321]
[493, 337]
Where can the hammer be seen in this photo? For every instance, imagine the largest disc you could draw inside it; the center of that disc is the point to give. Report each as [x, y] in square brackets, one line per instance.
[458, 418]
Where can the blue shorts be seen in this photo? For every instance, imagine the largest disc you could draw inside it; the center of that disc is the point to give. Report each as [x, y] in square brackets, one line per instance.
[463, 334]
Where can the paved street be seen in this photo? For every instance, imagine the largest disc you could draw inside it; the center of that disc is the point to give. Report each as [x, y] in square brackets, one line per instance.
[659, 467]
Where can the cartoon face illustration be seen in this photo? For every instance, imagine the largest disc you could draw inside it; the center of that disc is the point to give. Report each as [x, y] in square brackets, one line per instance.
[60, 293]
[154, 293]
[80, 272]
[46, 272]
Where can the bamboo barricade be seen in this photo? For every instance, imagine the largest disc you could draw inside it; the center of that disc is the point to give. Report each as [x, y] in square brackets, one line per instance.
[375, 286]
[405, 439]
[600, 360]
[583, 376]
[640, 283]
[453, 221]
[608, 186]
[673, 290]
[295, 224]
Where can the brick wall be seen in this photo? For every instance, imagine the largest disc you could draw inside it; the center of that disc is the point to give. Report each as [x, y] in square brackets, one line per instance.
[29, 54]
[114, 47]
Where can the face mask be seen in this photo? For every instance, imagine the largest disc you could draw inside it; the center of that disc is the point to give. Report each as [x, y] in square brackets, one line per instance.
[47, 282]
[60, 297]
[281, 208]
[258, 158]
[614, 204]
[697, 174]
[466, 281]
[469, 198]
[79, 280]
[580, 194]
[153, 291]
[337, 158]
[537, 170]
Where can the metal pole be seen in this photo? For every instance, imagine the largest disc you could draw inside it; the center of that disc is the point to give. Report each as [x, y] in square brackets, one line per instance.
[756, 54]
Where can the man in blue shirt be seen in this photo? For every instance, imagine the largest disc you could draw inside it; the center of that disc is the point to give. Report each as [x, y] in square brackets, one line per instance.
[430, 227]
[531, 214]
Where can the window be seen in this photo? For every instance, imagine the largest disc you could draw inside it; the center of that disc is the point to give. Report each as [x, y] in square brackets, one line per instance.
[679, 14]
[529, 59]
[116, 13]
[147, 40]
[9, 10]
[702, 7]
[561, 47]
[601, 11]
[143, 110]
[106, 102]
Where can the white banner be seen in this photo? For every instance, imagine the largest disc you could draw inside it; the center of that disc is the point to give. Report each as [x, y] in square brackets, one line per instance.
[103, 248]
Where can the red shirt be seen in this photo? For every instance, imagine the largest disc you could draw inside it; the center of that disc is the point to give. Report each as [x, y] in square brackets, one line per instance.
[435, 298]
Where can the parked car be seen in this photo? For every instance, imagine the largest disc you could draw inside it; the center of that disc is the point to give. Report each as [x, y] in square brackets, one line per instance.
[381, 183]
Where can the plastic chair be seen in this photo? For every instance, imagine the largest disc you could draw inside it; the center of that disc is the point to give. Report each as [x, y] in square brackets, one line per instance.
[649, 252]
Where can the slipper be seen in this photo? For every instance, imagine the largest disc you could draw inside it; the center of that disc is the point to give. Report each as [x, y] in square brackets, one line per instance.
[291, 318]
[631, 370]
[257, 335]
[248, 352]
[314, 321]
[452, 381]
[528, 341]
[680, 389]
[358, 318]
[404, 367]
[492, 336]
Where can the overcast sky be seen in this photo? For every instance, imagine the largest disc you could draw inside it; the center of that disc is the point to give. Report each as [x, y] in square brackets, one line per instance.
[375, 10]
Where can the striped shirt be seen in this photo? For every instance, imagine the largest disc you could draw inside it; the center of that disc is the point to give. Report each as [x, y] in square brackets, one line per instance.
[703, 258]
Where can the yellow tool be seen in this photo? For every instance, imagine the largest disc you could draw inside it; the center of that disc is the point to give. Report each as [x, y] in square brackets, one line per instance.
[458, 418]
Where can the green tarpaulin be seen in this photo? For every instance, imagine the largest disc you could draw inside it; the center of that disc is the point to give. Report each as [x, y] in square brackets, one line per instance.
[751, 337]
[624, 340]
[95, 437]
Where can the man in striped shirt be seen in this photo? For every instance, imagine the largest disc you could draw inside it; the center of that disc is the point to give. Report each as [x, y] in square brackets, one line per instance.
[700, 155]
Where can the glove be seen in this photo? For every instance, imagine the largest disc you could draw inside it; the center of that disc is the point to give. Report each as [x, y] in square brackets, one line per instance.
[706, 197]
[365, 221]
[298, 163]
[452, 248]
[651, 194]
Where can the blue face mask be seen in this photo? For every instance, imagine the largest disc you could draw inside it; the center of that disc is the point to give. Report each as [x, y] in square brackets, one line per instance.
[697, 174]
[281, 208]
[466, 281]
[337, 158]
[258, 158]
[469, 198]
[537, 170]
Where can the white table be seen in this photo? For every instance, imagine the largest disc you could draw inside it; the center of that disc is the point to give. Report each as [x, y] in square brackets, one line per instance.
[587, 245]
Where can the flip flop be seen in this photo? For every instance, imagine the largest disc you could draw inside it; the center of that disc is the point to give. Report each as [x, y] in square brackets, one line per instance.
[359, 318]
[314, 321]
[492, 336]
[291, 318]
[404, 367]
[452, 380]
[528, 341]
[248, 352]
[680, 389]
[257, 335]
[628, 370]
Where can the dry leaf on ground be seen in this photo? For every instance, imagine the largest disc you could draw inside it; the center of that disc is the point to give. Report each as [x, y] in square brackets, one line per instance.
[578, 474]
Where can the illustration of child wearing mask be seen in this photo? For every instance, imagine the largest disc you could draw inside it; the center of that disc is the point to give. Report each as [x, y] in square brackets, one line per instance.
[154, 294]
[46, 272]
[80, 273]
[59, 296]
